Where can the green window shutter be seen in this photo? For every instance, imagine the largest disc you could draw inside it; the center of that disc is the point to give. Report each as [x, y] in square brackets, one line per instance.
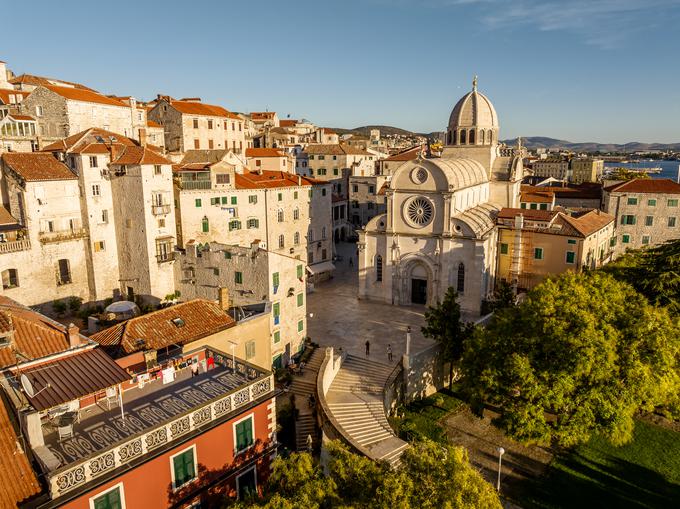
[504, 248]
[238, 277]
[198, 202]
[571, 241]
[183, 465]
[300, 299]
[295, 195]
[651, 203]
[571, 256]
[224, 200]
[275, 279]
[301, 326]
[625, 239]
[110, 500]
[277, 336]
[277, 309]
[205, 224]
[538, 253]
[299, 271]
[280, 196]
[234, 200]
[244, 434]
[227, 255]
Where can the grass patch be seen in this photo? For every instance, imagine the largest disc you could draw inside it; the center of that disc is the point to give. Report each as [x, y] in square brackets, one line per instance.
[420, 419]
[642, 473]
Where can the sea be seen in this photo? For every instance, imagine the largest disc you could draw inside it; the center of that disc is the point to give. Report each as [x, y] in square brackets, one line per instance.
[669, 169]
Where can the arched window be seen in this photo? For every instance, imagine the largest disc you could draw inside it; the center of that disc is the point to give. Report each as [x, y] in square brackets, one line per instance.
[461, 278]
[490, 136]
[279, 215]
[454, 135]
[378, 268]
[282, 241]
[482, 136]
[463, 137]
[296, 238]
[323, 233]
[472, 136]
[296, 214]
[310, 235]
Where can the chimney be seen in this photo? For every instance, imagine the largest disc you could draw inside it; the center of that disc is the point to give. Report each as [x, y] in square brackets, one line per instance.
[142, 136]
[299, 180]
[223, 298]
[113, 149]
[73, 336]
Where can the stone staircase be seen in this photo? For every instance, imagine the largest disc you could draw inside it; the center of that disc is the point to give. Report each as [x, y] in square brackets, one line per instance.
[355, 399]
[302, 386]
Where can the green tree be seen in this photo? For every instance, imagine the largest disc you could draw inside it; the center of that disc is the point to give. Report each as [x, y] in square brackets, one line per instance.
[445, 326]
[581, 355]
[626, 174]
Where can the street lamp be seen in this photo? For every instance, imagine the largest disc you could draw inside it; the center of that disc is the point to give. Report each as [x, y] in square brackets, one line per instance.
[501, 452]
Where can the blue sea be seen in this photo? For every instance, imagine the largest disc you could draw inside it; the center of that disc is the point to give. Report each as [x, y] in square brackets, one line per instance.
[669, 169]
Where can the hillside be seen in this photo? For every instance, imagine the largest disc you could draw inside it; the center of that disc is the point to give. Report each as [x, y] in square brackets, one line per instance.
[384, 130]
[534, 142]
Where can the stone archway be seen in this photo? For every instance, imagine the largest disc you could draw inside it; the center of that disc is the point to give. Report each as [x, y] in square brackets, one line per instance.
[418, 283]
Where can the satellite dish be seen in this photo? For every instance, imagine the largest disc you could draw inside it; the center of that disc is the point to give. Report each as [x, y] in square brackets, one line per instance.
[27, 386]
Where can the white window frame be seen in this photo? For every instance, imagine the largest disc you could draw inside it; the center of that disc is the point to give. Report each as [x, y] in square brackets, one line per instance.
[118, 486]
[250, 416]
[172, 467]
[238, 491]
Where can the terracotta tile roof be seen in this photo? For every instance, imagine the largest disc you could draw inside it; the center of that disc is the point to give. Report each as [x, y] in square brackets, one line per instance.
[272, 179]
[383, 189]
[20, 95]
[37, 166]
[85, 95]
[536, 197]
[73, 377]
[140, 155]
[19, 479]
[30, 79]
[536, 215]
[327, 130]
[588, 222]
[264, 152]
[16, 116]
[406, 155]
[35, 335]
[580, 223]
[151, 123]
[195, 319]
[288, 123]
[655, 186]
[82, 142]
[6, 218]
[335, 149]
[198, 108]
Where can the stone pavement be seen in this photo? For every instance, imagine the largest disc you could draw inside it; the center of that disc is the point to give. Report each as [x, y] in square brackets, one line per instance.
[337, 318]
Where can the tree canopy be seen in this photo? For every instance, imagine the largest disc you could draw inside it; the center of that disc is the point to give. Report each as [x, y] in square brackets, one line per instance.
[430, 476]
[581, 355]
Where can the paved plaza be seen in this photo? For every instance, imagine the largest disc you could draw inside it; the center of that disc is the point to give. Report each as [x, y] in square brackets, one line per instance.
[337, 318]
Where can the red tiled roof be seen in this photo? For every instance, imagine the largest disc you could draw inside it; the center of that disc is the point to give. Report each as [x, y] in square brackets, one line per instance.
[20, 95]
[328, 130]
[30, 79]
[589, 222]
[140, 155]
[6, 218]
[272, 179]
[16, 116]
[264, 152]
[151, 123]
[200, 318]
[262, 115]
[581, 223]
[86, 142]
[198, 108]
[19, 479]
[406, 155]
[536, 215]
[84, 95]
[288, 123]
[655, 186]
[37, 166]
[335, 149]
[536, 197]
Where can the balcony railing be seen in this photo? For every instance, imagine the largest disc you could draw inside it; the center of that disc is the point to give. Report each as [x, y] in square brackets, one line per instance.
[14, 246]
[195, 184]
[159, 210]
[78, 474]
[165, 257]
[62, 235]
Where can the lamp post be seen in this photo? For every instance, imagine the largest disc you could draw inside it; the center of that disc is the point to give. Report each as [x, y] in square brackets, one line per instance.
[501, 452]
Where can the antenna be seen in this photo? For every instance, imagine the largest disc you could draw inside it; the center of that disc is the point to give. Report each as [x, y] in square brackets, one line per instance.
[28, 387]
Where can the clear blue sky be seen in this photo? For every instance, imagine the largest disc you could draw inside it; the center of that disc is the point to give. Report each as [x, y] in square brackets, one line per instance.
[580, 70]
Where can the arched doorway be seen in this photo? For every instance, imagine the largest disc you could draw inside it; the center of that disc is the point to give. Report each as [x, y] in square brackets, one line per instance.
[419, 284]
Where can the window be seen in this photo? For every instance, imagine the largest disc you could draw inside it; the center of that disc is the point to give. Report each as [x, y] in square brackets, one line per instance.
[310, 235]
[538, 253]
[222, 178]
[461, 278]
[210, 124]
[183, 467]
[252, 223]
[612, 242]
[571, 256]
[252, 198]
[10, 279]
[195, 121]
[234, 224]
[279, 216]
[99, 246]
[197, 144]
[632, 201]
[276, 311]
[96, 191]
[571, 241]
[301, 325]
[323, 233]
[238, 276]
[105, 216]
[627, 219]
[649, 220]
[310, 257]
[651, 203]
[295, 195]
[157, 169]
[227, 255]
[282, 241]
[280, 196]
[504, 248]
[224, 200]
[113, 498]
[234, 200]
[378, 268]
[543, 206]
[296, 238]
[214, 201]
[299, 271]
[161, 222]
[335, 171]
[275, 280]
[93, 161]
[250, 350]
[38, 111]
[323, 254]
[672, 203]
[63, 272]
[246, 483]
[296, 214]
[277, 336]
[321, 158]
[244, 432]
[216, 271]
[625, 239]
[300, 299]
[205, 225]
[645, 239]
[371, 189]
[210, 144]
[323, 192]
[197, 202]
[671, 222]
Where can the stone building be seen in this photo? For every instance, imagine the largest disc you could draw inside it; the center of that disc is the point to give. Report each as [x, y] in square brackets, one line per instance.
[251, 276]
[646, 212]
[533, 244]
[365, 202]
[190, 124]
[18, 133]
[439, 229]
[586, 169]
[573, 169]
[269, 159]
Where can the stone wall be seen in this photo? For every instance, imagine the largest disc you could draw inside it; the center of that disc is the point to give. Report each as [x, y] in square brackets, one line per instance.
[424, 373]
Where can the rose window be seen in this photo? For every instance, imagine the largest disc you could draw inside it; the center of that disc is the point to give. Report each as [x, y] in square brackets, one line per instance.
[419, 211]
[419, 175]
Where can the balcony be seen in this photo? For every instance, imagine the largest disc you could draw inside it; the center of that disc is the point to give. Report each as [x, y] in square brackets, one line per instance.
[166, 257]
[195, 184]
[62, 235]
[14, 246]
[159, 210]
[156, 415]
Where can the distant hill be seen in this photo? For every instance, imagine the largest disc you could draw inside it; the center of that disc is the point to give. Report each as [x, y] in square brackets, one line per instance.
[384, 130]
[534, 142]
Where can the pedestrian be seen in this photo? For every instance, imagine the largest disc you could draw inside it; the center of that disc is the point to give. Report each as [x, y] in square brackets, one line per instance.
[309, 443]
[389, 352]
[368, 347]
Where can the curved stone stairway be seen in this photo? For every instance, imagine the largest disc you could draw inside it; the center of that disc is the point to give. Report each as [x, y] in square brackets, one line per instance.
[302, 386]
[355, 399]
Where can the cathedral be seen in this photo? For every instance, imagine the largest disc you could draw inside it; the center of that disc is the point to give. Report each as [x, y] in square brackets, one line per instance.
[439, 229]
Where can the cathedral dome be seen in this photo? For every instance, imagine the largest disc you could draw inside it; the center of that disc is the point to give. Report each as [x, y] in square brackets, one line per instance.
[473, 120]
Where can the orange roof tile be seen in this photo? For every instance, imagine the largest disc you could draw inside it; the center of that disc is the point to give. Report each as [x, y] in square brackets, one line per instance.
[19, 95]
[30, 79]
[84, 95]
[262, 115]
[536, 197]
[151, 123]
[406, 155]
[16, 116]
[288, 123]
[199, 318]
[6, 218]
[272, 179]
[588, 222]
[197, 108]
[264, 152]
[656, 186]
[37, 166]
[335, 149]
[140, 155]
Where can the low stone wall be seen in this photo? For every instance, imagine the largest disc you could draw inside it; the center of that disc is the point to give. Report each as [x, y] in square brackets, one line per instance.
[424, 373]
[393, 392]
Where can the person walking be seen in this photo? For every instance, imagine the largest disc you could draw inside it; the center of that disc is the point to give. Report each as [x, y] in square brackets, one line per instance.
[368, 347]
[389, 352]
[309, 443]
